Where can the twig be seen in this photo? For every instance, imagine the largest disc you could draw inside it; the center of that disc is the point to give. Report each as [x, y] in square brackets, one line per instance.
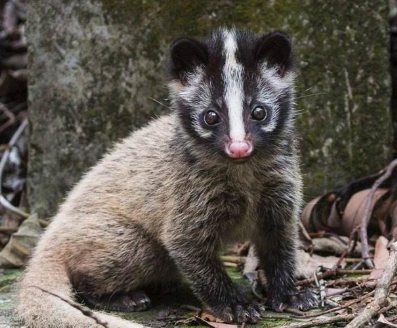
[381, 292]
[349, 280]
[86, 312]
[8, 230]
[382, 321]
[362, 271]
[347, 248]
[320, 322]
[330, 273]
[348, 304]
[367, 213]
[3, 163]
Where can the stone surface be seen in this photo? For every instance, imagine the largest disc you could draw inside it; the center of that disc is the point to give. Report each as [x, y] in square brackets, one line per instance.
[8, 280]
[95, 66]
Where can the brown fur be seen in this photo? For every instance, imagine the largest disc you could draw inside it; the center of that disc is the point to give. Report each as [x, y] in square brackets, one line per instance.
[164, 201]
[117, 227]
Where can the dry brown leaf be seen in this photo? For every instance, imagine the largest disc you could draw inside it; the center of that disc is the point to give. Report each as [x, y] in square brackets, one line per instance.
[354, 211]
[334, 291]
[389, 229]
[381, 253]
[221, 325]
[304, 238]
[307, 212]
[375, 274]
[334, 220]
[20, 246]
[334, 245]
[383, 320]
[307, 264]
[213, 321]
[206, 316]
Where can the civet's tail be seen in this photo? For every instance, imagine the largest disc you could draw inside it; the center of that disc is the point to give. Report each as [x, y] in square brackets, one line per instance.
[46, 301]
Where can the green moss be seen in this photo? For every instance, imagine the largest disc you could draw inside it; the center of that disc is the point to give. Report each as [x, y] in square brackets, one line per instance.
[344, 135]
[9, 277]
[342, 87]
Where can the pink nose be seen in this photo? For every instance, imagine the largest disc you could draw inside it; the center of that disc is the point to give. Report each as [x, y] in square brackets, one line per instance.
[239, 149]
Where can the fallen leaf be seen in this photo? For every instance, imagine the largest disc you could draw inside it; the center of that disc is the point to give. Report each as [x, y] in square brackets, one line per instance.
[334, 291]
[216, 324]
[20, 246]
[304, 238]
[307, 212]
[206, 316]
[381, 253]
[389, 225]
[354, 211]
[375, 274]
[383, 320]
[307, 264]
[334, 245]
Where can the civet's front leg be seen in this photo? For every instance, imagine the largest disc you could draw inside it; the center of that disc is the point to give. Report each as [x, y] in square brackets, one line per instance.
[276, 244]
[192, 241]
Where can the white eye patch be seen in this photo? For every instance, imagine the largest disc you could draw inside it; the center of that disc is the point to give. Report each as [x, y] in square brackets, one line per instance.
[273, 87]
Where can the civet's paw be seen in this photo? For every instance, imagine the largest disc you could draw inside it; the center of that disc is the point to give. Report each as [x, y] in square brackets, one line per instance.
[304, 300]
[133, 302]
[300, 300]
[249, 312]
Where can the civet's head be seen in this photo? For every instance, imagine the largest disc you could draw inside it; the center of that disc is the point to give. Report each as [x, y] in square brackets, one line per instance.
[234, 90]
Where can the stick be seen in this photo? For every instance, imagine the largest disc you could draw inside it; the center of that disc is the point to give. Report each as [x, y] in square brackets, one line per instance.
[3, 163]
[320, 322]
[330, 273]
[8, 230]
[358, 300]
[381, 292]
[367, 213]
[347, 248]
[86, 312]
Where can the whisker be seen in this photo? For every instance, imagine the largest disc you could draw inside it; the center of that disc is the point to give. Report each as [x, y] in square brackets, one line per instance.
[311, 95]
[309, 88]
[159, 102]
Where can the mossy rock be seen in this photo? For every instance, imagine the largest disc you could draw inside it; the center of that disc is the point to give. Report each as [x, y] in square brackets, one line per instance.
[110, 55]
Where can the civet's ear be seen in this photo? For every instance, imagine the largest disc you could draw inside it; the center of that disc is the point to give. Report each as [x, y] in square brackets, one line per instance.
[186, 55]
[275, 49]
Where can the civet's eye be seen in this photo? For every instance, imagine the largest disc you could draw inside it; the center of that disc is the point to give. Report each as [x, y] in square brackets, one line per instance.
[259, 113]
[211, 117]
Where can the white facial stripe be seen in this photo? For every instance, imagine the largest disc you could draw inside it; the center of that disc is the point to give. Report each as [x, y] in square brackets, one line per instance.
[234, 95]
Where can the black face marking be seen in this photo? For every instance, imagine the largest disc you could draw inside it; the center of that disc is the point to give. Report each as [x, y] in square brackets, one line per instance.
[234, 86]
